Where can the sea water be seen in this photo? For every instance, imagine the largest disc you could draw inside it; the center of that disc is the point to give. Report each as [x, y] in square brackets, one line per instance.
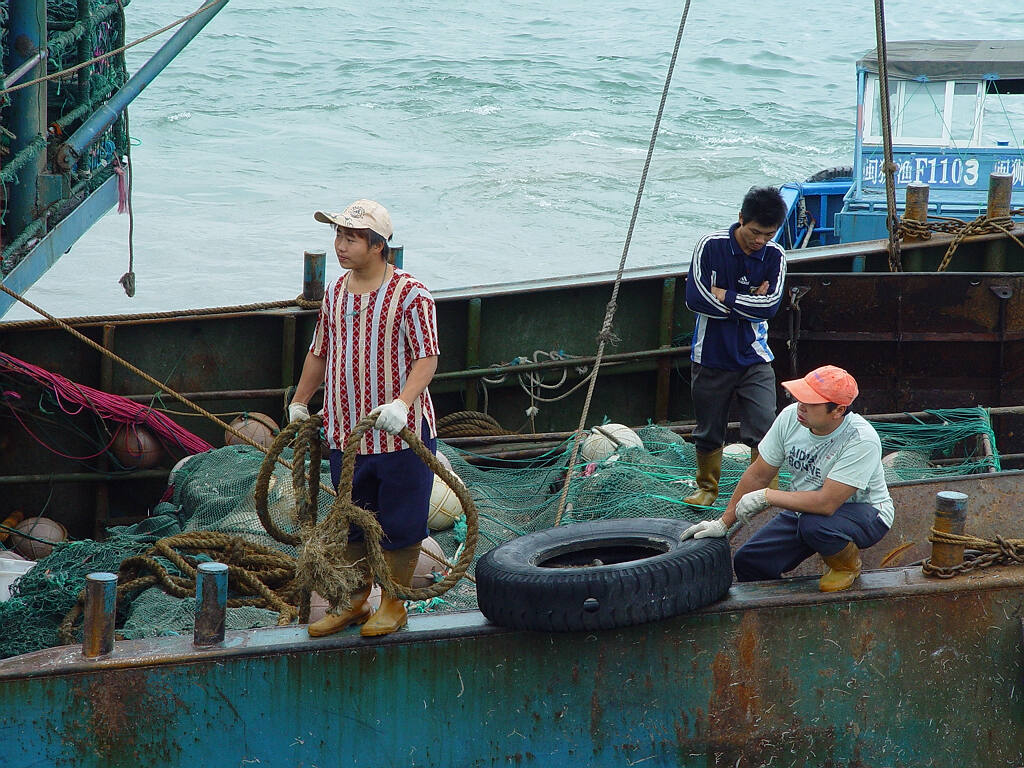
[506, 138]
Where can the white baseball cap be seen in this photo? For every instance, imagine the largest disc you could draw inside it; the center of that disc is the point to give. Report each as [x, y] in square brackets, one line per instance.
[362, 214]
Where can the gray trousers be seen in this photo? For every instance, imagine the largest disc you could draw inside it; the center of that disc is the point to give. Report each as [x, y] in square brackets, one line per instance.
[713, 390]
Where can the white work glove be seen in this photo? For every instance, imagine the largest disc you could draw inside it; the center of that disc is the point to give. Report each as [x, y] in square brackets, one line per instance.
[392, 417]
[752, 503]
[297, 412]
[705, 529]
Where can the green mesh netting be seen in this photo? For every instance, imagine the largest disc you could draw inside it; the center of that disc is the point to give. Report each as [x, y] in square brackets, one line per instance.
[67, 108]
[214, 491]
[954, 441]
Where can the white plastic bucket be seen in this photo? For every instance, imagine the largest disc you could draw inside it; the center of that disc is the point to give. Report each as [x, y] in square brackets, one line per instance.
[9, 571]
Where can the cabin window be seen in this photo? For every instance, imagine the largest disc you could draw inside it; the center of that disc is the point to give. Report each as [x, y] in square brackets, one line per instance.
[874, 104]
[925, 113]
[964, 115]
[923, 106]
[1003, 116]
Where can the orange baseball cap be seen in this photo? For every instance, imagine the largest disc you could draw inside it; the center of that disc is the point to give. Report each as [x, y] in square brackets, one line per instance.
[827, 384]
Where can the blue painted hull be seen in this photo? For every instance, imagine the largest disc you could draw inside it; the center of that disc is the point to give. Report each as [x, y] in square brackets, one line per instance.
[904, 671]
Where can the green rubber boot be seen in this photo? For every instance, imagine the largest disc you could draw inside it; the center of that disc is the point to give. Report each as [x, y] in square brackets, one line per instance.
[709, 470]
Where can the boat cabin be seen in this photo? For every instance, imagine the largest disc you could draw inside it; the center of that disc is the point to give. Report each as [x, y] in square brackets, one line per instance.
[956, 115]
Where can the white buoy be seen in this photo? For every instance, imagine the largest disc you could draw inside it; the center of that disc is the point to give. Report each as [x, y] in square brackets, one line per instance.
[445, 507]
[737, 452]
[599, 444]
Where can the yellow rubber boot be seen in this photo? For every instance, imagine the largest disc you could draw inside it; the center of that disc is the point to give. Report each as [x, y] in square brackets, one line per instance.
[753, 457]
[709, 470]
[359, 611]
[842, 570]
[392, 616]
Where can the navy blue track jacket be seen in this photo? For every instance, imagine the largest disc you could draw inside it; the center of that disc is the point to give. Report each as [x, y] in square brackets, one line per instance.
[733, 334]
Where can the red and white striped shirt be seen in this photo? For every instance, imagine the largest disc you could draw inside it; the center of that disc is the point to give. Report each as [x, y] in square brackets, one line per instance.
[370, 341]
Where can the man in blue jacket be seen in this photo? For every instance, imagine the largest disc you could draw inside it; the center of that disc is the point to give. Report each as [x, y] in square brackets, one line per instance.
[734, 286]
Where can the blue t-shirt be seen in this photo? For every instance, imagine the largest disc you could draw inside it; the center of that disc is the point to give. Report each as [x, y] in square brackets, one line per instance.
[733, 334]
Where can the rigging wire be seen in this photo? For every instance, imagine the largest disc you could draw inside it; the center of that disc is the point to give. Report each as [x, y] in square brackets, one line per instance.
[606, 334]
[891, 220]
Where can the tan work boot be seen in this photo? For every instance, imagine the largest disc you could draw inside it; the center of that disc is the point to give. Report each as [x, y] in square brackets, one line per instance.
[709, 470]
[842, 569]
[392, 616]
[753, 457]
[359, 611]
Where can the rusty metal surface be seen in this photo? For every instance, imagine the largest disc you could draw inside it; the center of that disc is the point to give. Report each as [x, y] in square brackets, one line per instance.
[776, 674]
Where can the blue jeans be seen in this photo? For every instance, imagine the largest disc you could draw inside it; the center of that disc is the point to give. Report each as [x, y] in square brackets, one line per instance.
[789, 539]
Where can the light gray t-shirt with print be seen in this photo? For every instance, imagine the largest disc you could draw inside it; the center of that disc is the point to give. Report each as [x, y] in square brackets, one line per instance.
[852, 455]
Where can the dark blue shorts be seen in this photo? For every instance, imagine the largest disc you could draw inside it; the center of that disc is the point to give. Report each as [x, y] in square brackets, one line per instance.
[396, 486]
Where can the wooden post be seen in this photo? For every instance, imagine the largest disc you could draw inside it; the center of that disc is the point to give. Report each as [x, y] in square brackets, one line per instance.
[916, 210]
[1000, 187]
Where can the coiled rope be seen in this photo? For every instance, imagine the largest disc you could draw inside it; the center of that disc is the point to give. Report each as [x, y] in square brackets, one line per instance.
[322, 565]
[264, 577]
[469, 424]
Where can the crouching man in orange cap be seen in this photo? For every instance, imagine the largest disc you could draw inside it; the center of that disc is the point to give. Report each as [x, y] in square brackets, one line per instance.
[838, 502]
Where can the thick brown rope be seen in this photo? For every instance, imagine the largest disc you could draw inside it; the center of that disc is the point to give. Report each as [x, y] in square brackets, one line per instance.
[322, 565]
[343, 508]
[470, 424]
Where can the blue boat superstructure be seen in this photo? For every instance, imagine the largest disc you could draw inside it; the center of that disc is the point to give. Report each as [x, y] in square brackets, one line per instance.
[956, 119]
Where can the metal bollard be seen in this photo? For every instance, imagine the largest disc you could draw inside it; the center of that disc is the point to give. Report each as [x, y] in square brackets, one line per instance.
[314, 275]
[1000, 187]
[211, 603]
[950, 517]
[917, 201]
[100, 609]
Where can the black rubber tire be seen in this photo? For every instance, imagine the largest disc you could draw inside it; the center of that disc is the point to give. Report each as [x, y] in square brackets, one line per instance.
[538, 581]
[830, 174]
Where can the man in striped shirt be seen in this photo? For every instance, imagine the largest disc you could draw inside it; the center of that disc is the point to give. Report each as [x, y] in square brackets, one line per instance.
[376, 345]
[734, 287]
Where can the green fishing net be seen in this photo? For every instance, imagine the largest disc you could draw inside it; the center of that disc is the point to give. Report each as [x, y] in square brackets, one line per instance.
[214, 491]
